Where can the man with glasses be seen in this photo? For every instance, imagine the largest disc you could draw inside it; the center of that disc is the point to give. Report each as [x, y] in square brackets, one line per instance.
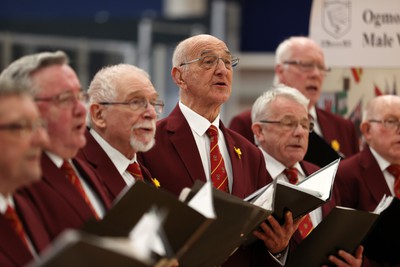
[366, 177]
[203, 69]
[281, 125]
[22, 139]
[122, 117]
[69, 193]
[299, 63]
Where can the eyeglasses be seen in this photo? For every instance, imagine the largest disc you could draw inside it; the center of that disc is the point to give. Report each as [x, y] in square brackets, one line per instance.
[139, 103]
[308, 66]
[65, 99]
[390, 124]
[24, 128]
[291, 124]
[209, 62]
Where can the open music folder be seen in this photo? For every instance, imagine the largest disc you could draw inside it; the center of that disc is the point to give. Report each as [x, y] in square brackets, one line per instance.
[280, 196]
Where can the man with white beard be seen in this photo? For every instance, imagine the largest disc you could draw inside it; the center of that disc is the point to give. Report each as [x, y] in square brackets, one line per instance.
[123, 109]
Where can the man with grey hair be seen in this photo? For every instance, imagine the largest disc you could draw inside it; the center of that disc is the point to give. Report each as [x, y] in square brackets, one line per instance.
[199, 147]
[300, 63]
[22, 139]
[122, 114]
[281, 125]
[69, 193]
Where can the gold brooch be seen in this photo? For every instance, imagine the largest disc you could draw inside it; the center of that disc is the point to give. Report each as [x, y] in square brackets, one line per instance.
[156, 182]
[335, 145]
[238, 152]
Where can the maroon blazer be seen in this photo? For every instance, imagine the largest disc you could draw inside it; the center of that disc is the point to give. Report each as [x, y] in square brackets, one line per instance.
[333, 127]
[176, 163]
[361, 181]
[60, 205]
[12, 251]
[104, 168]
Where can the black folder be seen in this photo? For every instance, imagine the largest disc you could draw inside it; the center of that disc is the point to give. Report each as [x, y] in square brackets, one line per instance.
[182, 226]
[300, 199]
[236, 219]
[346, 229]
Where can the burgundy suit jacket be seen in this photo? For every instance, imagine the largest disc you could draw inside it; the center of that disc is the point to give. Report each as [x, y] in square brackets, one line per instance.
[60, 205]
[361, 182]
[12, 251]
[104, 168]
[333, 127]
[176, 163]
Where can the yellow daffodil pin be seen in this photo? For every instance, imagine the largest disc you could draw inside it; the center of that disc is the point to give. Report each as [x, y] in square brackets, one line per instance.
[238, 152]
[335, 145]
[156, 182]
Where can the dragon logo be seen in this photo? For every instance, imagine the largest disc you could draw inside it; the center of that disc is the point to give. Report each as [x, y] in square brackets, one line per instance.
[336, 17]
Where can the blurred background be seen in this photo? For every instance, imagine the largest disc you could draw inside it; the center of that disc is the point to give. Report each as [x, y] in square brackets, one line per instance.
[144, 33]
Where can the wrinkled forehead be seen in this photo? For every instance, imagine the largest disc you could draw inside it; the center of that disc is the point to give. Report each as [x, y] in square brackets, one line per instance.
[204, 46]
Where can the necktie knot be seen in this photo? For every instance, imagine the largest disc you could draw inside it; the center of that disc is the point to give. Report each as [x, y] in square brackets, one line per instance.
[394, 170]
[292, 175]
[135, 170]
[212, 131]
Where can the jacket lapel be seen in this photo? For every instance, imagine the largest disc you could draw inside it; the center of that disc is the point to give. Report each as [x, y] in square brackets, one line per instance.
[182, 139]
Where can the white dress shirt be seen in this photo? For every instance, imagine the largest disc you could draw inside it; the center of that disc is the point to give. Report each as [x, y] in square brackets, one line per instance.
[383, 164]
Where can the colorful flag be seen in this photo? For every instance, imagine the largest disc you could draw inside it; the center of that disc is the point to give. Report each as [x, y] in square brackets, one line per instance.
[378, 91]
[356, 116]
[357, 73]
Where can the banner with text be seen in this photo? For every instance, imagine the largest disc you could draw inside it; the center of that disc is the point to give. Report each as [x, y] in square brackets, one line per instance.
[364, 33]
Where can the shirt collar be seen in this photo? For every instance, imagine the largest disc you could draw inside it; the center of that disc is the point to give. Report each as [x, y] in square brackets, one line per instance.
[118, 159]
[275, 168]
[313, 113]
[383, 163]
[197, 123]
[57, 160]
[4, 202]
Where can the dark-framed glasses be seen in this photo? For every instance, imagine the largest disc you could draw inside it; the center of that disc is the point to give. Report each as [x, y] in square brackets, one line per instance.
[65, 99]
[308, 66]
[208, 62]
[390, 124]
[139, 103]
[291, 124]
[24, 127]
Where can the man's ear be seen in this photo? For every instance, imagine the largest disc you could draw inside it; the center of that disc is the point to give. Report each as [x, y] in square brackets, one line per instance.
[177, 76]
[257, 131]
[365, 128]
[97, 115]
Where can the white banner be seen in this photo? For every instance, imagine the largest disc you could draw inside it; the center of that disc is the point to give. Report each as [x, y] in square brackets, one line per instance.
[357, 33]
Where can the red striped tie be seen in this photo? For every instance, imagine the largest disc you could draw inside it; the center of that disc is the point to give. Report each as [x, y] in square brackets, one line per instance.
[135, 170]
[306, 225]
[219, 176]
[395, 171]
[13, 219]
[73, 178]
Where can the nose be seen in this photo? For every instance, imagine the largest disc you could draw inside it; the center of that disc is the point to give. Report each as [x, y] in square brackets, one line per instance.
[150, 110]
